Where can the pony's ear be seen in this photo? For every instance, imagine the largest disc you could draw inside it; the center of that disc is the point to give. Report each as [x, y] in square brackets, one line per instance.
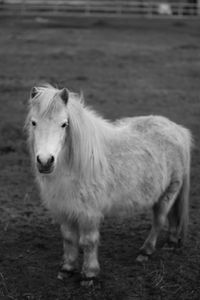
[34, 92]
[64, 95]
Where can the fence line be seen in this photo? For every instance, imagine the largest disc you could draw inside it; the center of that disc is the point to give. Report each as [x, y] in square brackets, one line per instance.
[99, 8]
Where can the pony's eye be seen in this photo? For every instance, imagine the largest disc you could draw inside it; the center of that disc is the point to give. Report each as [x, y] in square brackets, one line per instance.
[64, 125]
[33, 123]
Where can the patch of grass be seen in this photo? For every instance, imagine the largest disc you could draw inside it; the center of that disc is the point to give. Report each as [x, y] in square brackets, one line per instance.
[139, 68]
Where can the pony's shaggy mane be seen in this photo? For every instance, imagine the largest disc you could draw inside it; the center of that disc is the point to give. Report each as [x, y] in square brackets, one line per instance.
[88, 134]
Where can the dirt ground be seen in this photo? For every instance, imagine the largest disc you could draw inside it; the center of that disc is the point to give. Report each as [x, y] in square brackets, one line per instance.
[151, 67]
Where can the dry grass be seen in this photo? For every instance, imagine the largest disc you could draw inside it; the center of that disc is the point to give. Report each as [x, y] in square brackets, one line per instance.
[149, 68]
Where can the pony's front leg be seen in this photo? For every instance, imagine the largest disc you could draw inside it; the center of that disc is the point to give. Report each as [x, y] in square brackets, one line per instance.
[69, 230]
[89, 239]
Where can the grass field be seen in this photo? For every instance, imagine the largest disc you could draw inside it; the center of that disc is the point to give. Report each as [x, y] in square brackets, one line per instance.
[150, 67]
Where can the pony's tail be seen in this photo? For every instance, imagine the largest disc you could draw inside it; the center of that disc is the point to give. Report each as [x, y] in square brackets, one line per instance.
[181, 206]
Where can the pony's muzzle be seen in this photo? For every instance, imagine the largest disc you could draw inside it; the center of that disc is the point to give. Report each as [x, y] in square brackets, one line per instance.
[45, 165]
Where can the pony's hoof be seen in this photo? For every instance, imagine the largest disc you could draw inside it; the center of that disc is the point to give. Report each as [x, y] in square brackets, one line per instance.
[63, 274]
[172, 245]
[60, 276]
[89, 282]
[145, 253]
[174, 242]
[142, 258]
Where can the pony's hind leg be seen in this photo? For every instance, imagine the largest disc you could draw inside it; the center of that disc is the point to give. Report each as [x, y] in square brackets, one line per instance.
[174, 237]
[160, 212]
[69, 230]
[89, 239]
[178, 215]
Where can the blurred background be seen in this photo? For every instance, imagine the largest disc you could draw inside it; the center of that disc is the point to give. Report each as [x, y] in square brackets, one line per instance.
[129, 58]
[102, 7]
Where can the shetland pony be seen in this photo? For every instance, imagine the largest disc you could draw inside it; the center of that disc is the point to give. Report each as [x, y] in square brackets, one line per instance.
[87, 167]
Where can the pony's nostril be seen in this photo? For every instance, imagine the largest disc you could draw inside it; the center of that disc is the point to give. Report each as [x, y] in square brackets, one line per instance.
[51, 160]
[38, 160]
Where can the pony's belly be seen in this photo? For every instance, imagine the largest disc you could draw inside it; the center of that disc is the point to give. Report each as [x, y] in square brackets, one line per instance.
[132, 200]
[68, 198]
